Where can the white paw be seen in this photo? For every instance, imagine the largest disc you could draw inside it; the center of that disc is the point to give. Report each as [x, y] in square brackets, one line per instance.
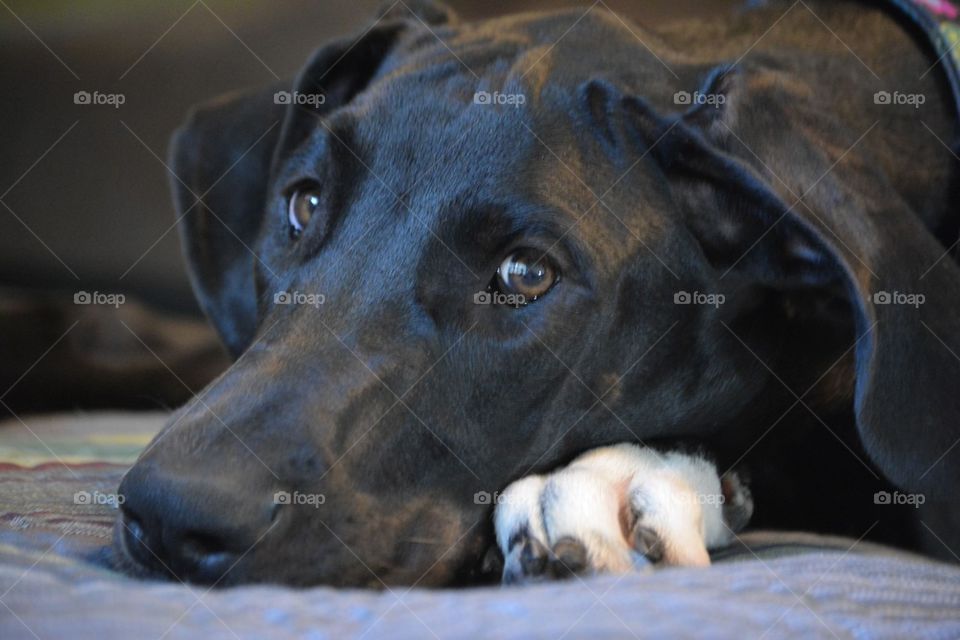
[618, 509]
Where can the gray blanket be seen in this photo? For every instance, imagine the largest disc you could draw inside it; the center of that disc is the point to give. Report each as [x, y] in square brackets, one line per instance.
[814, 594]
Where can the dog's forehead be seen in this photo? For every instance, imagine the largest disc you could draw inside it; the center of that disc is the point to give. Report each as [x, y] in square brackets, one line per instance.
[531, 41]
[480, 128]
[493, 94]
[555, 49]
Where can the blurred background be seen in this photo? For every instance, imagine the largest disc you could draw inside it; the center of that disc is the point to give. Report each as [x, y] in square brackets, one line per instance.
[84, 198]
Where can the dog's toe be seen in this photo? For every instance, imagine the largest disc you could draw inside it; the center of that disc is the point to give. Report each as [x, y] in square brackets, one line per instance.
[647, 542]
[526, 561]
[533, 558]
[520, 533]
[569, 558]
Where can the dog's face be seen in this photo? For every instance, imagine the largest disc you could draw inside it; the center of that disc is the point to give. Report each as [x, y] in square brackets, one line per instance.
[428, 299]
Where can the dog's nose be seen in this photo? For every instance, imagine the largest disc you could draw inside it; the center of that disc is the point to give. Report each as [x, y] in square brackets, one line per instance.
[195, 530]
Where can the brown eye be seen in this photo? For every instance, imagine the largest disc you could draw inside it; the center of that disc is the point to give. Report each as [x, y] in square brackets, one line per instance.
[300, 208]
[528, 273]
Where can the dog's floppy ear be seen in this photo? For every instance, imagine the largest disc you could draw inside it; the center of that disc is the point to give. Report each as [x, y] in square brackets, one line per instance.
[337, 73]
[222, 161]
[851, 228]
[333, 76]
[429, 12]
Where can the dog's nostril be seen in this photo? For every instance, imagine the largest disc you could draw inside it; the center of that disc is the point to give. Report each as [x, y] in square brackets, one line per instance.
[135, 539]
[206, 555]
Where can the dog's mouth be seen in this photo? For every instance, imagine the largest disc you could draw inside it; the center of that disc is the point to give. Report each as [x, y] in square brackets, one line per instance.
[188, 532]
[224, 569]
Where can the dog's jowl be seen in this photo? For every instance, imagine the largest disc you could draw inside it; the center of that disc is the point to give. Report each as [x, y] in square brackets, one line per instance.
[452, 255]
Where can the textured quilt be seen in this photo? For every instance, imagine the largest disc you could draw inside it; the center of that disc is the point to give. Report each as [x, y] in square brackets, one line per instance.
[57, 477]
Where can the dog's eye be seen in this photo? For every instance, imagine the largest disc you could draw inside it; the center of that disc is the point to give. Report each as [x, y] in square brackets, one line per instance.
[528, 273]
[300, 208]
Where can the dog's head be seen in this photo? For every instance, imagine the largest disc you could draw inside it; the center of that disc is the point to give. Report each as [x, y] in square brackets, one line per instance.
[450, 255]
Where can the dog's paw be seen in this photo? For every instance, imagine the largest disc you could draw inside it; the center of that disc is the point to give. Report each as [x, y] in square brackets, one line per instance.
[617, 509]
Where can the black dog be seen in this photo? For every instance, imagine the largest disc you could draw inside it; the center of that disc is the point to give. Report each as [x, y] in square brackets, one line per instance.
[455, 254]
